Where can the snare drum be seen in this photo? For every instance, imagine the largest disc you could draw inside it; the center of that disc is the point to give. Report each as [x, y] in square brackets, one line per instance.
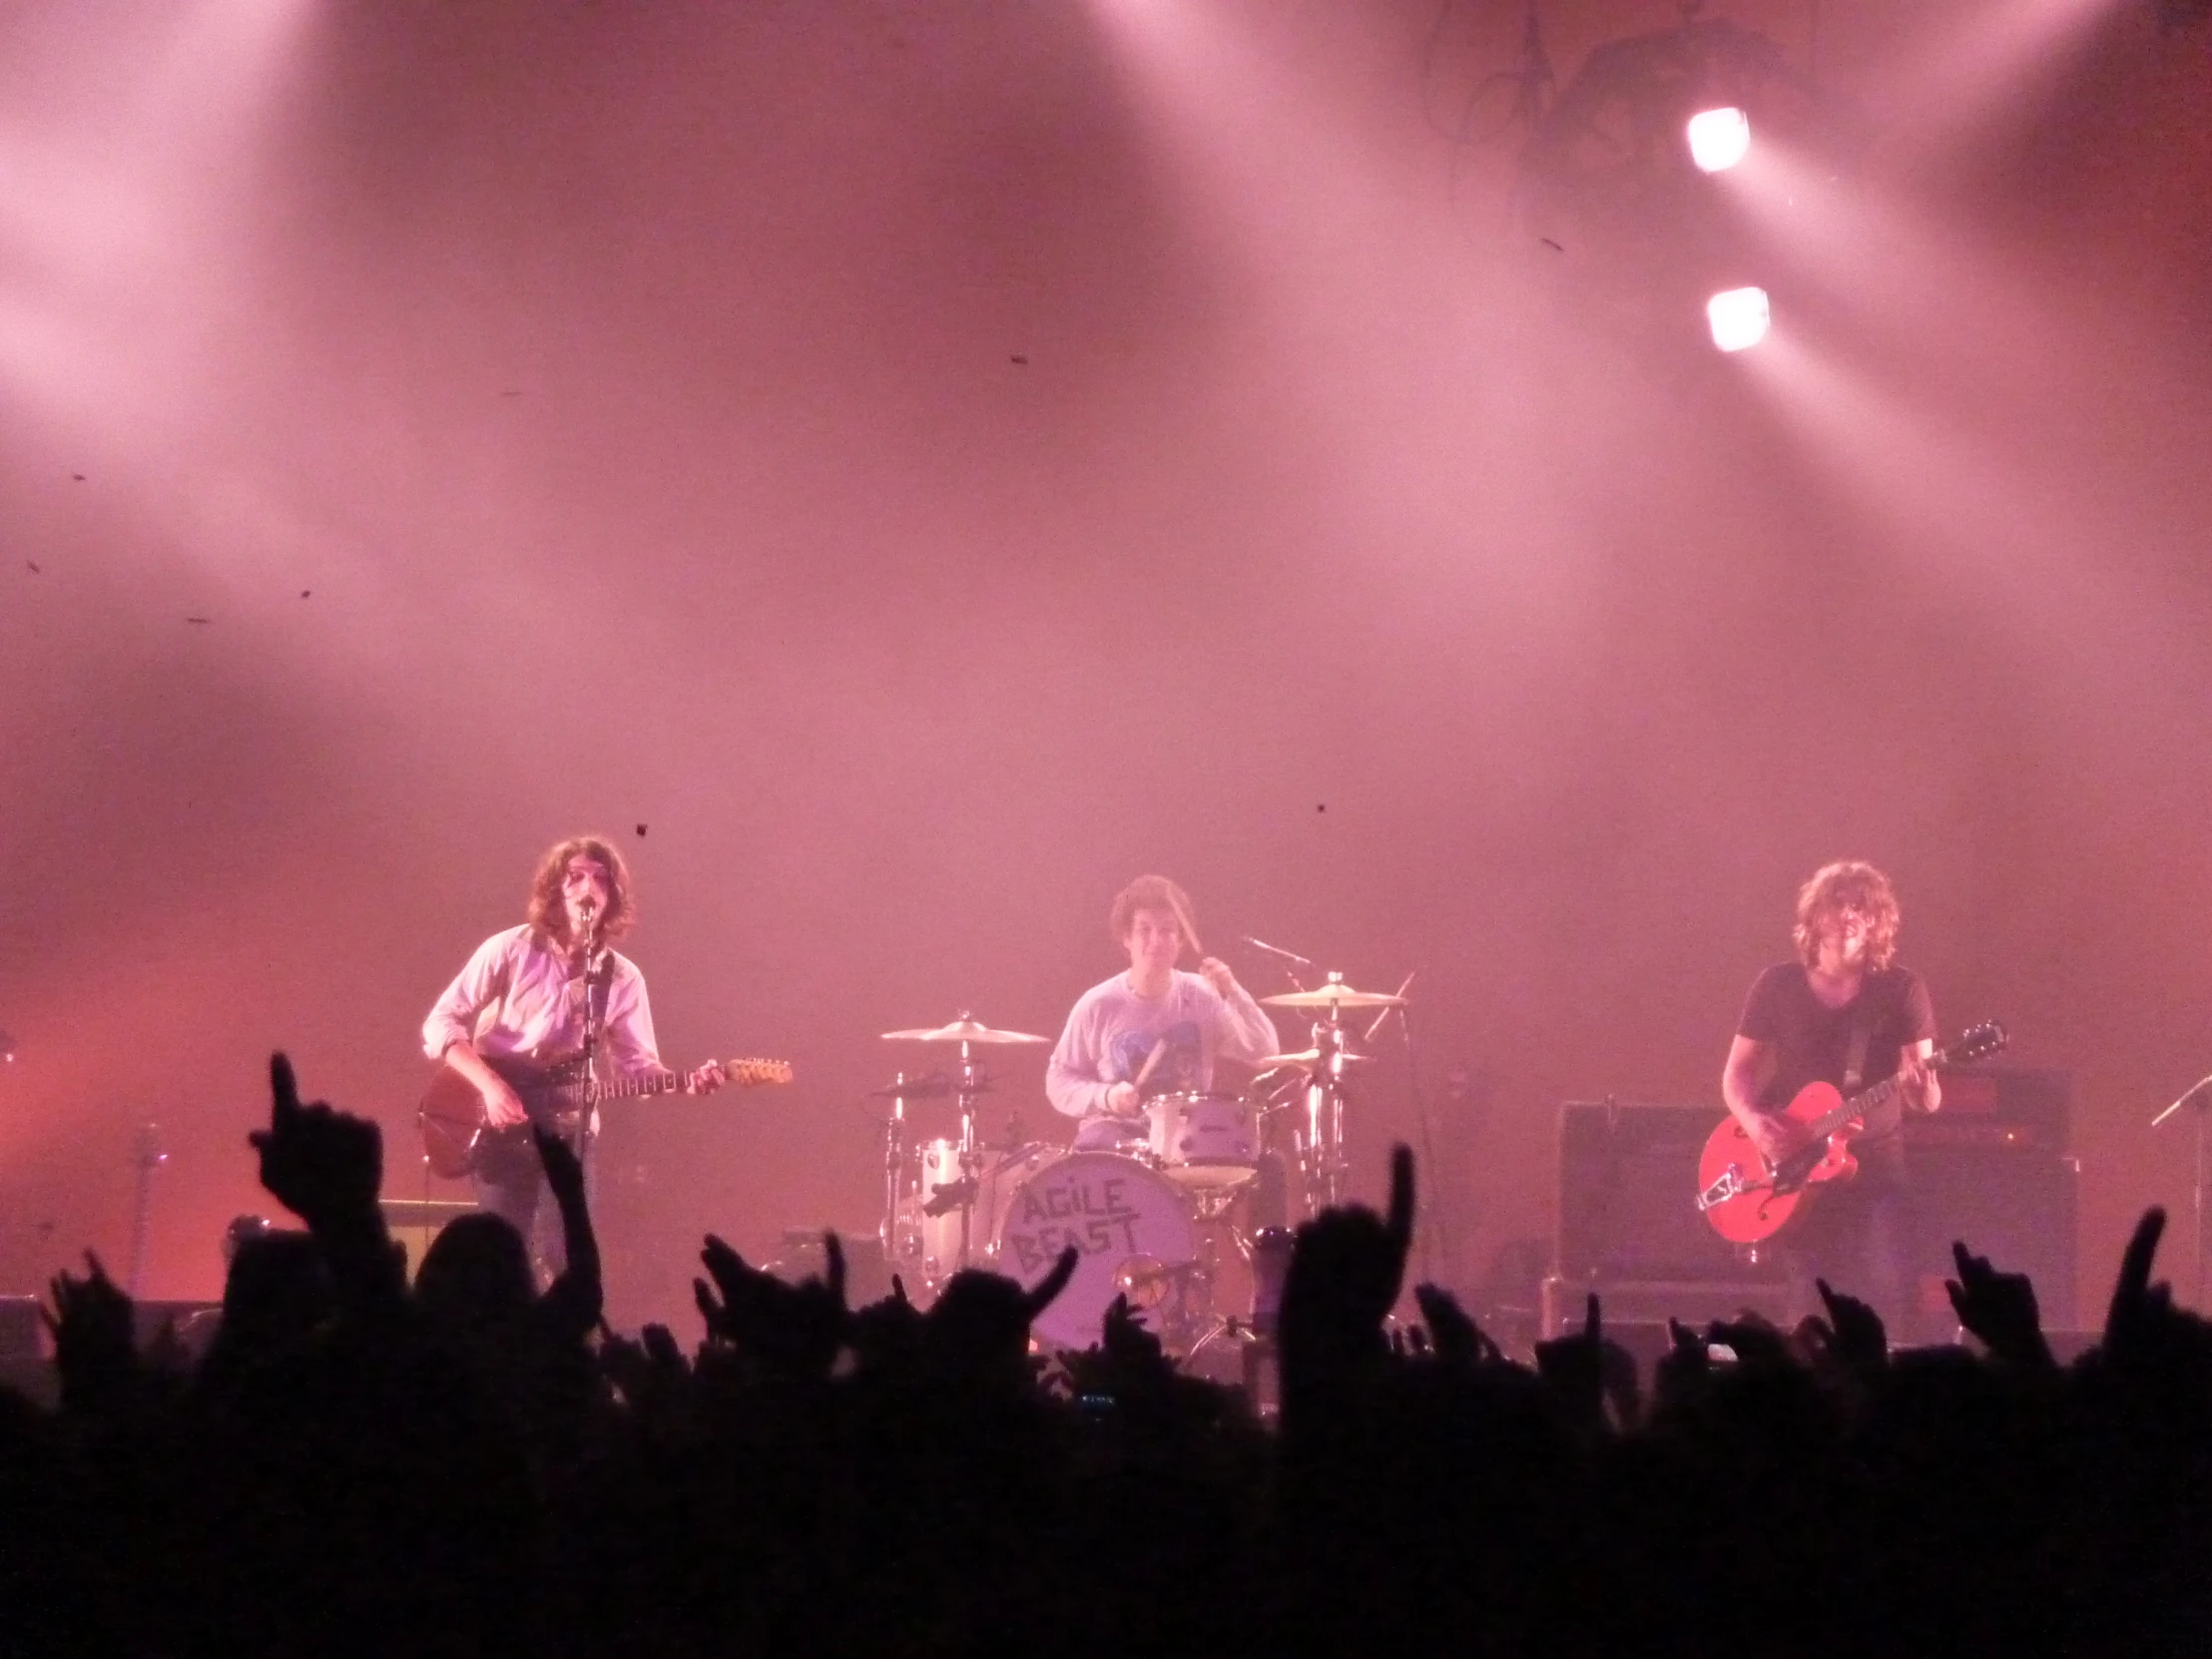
[1116, 1211]
[1204, 1140]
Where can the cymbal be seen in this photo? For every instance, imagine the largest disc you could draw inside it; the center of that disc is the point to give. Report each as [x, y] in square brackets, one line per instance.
[963, 1030]
[1333, 995]
[1303, 1058]
[914, 1088]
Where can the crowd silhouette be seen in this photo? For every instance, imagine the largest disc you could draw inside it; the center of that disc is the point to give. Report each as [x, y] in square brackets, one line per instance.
[466, 1464]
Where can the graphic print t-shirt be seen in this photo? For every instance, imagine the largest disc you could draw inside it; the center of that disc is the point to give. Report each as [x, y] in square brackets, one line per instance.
[1111, 1032]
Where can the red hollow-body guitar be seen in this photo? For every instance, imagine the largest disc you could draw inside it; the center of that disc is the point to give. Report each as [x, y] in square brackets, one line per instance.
[558, 1098]
[1748, 1200]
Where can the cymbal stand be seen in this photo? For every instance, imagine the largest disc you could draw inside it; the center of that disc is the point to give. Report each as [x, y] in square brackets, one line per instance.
[894, 1171]
[1324, 1133]
[968, 1087]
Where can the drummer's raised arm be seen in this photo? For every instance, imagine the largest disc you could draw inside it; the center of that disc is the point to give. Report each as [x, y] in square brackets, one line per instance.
[1246, 1032]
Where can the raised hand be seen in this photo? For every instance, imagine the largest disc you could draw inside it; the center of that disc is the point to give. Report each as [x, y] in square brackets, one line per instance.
[2000, 1308]
[322, 1165]
[1347, 1265]
[94, 1353]
[1853, 1332]
[980, 1324]
[1575, 1369]
[1456, 1340]
[793, 1331]
[2139, 1308]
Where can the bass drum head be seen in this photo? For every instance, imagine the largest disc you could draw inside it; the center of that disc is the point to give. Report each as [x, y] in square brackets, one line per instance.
[1114, 1210]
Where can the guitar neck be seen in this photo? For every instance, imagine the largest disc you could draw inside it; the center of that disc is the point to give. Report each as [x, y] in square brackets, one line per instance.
[1870, 1099]
[629, 1088]
[579, 1091]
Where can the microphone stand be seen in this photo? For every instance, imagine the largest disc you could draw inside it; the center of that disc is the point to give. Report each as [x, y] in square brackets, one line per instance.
[2199, 1100]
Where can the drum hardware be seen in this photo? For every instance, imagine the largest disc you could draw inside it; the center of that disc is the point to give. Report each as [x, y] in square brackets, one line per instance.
[1236, 1354]
[949, 1195]
[1144, 1280]
[1304, 1057]
[934, 1087]
[1333, 995]
[968, 1086]
[1318, 1141]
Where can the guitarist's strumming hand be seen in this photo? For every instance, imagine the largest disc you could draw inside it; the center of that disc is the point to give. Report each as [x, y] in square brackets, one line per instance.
[1771, 1133]
[503, 1108]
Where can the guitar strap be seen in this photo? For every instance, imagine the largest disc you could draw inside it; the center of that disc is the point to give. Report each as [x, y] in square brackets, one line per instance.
[1855, 1063]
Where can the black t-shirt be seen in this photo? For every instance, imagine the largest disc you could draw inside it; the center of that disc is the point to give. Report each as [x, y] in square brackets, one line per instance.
[1812, 1042]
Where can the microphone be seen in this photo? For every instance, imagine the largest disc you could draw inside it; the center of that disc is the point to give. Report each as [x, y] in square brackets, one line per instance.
[1277, 950]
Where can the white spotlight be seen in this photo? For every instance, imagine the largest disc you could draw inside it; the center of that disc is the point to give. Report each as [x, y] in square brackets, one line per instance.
[1738, 318]
[1719, 139]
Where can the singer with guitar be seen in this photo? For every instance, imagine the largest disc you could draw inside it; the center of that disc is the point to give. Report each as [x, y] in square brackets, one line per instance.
[1846, 1013]
[552, 992]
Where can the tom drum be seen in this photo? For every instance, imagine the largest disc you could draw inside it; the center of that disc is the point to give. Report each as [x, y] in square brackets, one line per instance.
[1204, 1140]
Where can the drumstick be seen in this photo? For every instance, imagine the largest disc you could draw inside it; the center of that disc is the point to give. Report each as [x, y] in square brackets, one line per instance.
[1150, 1060]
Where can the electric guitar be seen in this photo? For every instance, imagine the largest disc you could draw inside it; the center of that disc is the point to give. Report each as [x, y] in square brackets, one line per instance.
[559, 1098]
[1747, 1200]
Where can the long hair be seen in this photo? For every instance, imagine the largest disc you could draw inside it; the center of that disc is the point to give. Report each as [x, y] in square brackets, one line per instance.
[550, 916]
[1858, 884]
[1153, 892]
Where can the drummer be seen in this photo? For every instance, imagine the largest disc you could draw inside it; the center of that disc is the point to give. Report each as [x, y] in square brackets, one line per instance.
[1154, 1030]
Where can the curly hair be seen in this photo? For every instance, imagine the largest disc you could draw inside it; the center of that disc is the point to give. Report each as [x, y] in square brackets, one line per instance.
[1857, 885]
[1152, 893]
[550, 916]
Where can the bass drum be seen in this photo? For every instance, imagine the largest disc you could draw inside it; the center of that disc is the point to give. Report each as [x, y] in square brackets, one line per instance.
[1119, 1213]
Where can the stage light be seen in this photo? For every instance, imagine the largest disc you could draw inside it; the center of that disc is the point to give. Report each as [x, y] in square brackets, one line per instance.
[1719, 139]
[1738, 318]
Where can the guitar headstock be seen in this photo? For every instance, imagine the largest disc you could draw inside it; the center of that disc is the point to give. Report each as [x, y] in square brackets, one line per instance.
[1977, 1042]
[746, 1075]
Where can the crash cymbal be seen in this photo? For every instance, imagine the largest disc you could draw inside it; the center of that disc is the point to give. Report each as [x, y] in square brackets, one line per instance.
[1303, 1058]
[1335, 995]
[963, 1030]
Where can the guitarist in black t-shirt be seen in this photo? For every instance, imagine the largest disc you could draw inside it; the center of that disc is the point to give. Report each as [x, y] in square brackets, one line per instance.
[1845, 1013]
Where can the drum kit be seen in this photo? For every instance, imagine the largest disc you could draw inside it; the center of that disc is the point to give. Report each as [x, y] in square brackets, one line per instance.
[1190, 1224]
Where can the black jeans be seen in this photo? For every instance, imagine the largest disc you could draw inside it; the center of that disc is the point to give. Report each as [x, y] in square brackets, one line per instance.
[1864, 1236]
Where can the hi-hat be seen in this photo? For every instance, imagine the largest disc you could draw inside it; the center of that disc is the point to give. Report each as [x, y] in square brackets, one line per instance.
[1303, 1058]
[963, 1030]
[1335, 995]
[933, 1086]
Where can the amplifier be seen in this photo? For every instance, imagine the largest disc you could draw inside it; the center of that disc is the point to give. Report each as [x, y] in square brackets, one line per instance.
[1647, 1304]
[1628, 1197]
[2034, 1107]
[2013, 1205]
